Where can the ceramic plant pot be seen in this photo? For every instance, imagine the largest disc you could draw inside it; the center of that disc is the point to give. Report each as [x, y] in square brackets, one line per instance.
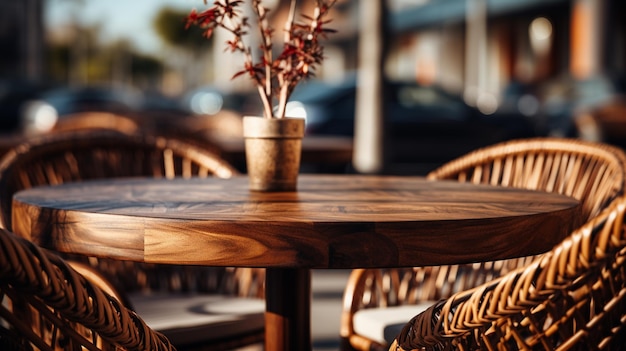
[273, 148]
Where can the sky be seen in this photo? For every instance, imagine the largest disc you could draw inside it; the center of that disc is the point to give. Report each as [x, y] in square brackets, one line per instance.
[131, 19]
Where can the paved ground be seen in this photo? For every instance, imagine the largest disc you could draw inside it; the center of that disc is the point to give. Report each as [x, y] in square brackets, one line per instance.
[327, 286]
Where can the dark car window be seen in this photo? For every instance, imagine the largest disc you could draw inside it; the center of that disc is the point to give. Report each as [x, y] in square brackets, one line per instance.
[426, 104]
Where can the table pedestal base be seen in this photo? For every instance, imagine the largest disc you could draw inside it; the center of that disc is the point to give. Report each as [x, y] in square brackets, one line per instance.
[287, 309]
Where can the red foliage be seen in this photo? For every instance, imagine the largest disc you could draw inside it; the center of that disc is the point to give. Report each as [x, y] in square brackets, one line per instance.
[275, 78]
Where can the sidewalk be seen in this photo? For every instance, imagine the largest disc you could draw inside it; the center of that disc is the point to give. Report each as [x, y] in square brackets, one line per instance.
[327, 286]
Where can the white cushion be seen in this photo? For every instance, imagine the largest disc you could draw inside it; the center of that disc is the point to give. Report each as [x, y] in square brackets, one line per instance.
[187, 319]
[384, 324]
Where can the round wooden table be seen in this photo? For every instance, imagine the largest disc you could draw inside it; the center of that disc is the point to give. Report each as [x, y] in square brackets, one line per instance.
[332, 221]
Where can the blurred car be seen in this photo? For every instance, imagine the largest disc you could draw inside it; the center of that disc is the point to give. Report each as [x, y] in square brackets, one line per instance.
[19, 105]
[564, 100]
[40, 112]
[160, 112]
[70, 100]
[556, 107]
[210, 100]
[425, 127]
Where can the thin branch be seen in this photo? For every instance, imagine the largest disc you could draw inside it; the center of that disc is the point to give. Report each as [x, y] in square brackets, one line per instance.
[275, 78]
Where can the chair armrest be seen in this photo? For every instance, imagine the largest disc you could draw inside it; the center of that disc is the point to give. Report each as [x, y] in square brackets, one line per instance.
[100, 281]
[366, 288]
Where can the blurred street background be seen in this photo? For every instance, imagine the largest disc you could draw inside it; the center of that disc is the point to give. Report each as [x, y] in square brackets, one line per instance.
[405, 86]
[412, 83]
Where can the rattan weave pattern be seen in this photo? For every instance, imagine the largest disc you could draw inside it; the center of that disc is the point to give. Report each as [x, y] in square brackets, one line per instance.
[47, 305]
[90, 120]
[588, 171]
[95, 154]
[83, 155]
[571, 298]
[87, 155]
[592, 172]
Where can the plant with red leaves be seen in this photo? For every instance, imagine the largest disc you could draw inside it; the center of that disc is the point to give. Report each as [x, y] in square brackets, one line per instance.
[275, 78]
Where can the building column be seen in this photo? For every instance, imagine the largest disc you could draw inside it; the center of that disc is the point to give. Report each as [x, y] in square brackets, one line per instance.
[369, 135]
[475, 51]
[33, 27]
[586, 44]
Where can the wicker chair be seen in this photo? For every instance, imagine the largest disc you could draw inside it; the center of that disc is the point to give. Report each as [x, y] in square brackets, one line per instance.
[47, 305]
[96, 120]
[377, 302]
[161, 293]
[571, 298]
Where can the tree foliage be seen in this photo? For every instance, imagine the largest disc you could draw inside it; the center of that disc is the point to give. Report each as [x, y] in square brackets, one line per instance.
[100, 63]
[169, 24]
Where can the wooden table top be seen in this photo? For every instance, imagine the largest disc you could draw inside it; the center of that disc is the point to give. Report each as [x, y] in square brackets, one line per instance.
[332, 221]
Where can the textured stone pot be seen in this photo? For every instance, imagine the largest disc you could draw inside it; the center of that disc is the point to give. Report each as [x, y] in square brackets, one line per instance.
[273, 149]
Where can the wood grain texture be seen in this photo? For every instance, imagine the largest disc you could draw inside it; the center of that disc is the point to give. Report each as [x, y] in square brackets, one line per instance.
[338, 221]
[342, 221]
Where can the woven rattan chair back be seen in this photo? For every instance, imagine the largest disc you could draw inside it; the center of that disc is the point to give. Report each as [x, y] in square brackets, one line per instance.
[96, 120]
[594, 173]
[571, 298]
[85, 155]
[590, 172]
[75, 156]
[96, 154]
[46, 305]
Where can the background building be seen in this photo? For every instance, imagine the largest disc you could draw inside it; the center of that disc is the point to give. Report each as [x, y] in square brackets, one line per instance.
[21, 39]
